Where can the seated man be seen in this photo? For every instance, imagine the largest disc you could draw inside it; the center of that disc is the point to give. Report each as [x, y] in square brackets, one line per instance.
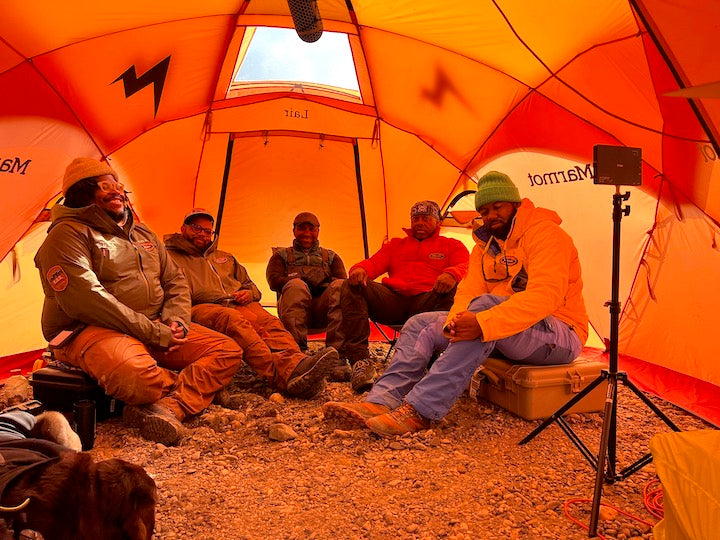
[225, 299]
[120, 308]
[307, 279]
[423, 272]
[522, 297]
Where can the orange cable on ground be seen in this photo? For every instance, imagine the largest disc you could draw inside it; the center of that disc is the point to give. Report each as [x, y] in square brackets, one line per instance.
[653, 497]
[575, 520]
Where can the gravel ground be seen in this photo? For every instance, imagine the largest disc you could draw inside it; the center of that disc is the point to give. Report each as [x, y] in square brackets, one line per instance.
[465, 479]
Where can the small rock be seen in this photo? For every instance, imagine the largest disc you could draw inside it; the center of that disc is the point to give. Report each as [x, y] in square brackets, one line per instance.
[396, 445]
[277, 398]
[606, 513]
[281, 432]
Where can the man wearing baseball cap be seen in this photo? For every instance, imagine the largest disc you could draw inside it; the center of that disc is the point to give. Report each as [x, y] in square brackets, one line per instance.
[307, 279]
[225, 299]
[117, 307]
[522, 297]
[423, 270]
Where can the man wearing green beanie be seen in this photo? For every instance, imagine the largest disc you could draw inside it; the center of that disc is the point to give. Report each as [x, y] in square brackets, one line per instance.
[522, 297]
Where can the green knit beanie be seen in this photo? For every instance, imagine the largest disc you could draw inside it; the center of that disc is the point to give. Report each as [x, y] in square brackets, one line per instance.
[495, 187]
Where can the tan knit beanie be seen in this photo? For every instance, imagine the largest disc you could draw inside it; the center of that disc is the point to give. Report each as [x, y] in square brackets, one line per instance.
[82, 168]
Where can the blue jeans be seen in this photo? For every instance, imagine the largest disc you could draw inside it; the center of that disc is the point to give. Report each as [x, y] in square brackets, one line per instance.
[432, 394]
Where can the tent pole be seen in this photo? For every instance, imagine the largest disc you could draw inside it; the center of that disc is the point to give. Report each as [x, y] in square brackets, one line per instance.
[361, 198]
[223, 190]
[676, 75]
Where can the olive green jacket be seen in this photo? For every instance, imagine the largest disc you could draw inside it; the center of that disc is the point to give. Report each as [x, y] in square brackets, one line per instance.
[213, 275]
[96, 272]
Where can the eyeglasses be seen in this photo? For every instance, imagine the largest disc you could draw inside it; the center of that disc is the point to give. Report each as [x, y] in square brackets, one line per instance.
[108, 186]
[201, 230]
[501, 271]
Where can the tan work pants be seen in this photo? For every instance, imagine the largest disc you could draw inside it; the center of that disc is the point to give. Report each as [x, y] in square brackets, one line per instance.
[184, 380]
[299, 311]
[267, 347]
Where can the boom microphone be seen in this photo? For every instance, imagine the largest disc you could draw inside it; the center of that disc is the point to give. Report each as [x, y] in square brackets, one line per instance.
[306, 19]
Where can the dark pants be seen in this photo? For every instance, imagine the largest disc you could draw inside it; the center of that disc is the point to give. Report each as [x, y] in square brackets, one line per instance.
[383, 305]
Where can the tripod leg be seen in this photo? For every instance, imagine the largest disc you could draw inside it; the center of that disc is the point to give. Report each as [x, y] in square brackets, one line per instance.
[649, 403]
[608, 423]
[562, 410]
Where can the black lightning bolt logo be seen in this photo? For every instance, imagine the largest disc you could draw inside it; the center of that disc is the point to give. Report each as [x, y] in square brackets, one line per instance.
[443, 86]
[155, 76]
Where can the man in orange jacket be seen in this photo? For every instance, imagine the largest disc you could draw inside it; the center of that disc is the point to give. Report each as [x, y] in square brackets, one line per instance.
[522, 297]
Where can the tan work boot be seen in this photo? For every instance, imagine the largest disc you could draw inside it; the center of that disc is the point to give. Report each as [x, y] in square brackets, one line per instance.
[308, 378]
[404, 419]
[363, 375]
[156, 422]
[353, 415]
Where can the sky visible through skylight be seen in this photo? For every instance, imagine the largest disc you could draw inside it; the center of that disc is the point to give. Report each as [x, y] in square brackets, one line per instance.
[279, 54]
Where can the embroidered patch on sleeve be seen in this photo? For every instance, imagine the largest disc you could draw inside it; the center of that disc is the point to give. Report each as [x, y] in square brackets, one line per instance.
[57, 278]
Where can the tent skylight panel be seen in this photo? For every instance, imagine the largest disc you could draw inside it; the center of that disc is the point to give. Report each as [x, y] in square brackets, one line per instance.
[278, 56]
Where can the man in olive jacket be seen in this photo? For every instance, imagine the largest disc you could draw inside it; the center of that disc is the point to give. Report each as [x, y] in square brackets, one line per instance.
[225, 299]
[117, 307]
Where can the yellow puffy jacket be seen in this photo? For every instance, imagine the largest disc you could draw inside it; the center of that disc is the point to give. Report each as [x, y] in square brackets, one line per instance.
[536, 267]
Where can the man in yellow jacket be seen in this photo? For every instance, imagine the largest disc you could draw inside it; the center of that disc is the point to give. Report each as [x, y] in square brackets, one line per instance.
[117, 307]
[225, 299]
[522, 297]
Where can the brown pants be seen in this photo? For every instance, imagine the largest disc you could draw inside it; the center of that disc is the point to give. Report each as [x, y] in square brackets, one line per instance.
[184, 380]
[299, 310]
[267, 347]
[381, 304]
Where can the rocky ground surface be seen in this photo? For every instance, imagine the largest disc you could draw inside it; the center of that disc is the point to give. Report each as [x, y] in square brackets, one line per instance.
[275, 469]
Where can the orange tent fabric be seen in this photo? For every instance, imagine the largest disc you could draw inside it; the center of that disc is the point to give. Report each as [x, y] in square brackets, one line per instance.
[445, 92]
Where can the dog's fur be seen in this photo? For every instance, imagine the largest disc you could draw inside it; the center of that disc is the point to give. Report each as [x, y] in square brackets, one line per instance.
[74, 498]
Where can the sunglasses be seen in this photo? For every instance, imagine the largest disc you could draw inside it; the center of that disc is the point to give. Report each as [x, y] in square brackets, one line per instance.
[201, 230]
[108, 186]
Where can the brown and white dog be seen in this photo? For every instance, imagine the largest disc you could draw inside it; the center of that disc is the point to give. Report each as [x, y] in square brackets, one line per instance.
[65, 495]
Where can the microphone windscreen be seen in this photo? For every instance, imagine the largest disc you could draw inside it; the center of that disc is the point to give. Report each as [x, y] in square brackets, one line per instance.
[306, 19]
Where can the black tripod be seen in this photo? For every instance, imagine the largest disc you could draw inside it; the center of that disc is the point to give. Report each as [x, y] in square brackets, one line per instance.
[605, 462]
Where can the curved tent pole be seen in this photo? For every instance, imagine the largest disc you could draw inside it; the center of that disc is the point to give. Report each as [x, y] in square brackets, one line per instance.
[361, 198]
[223, 190]
[645, 18]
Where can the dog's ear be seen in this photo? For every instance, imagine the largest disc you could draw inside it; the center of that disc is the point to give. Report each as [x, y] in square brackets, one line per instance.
[54, 427]
[127, 497]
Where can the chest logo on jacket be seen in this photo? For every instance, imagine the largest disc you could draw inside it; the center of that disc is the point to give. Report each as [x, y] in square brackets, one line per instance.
[437, 255]
[57, 278]
[508, 260]
[221, 260]
[147, 246]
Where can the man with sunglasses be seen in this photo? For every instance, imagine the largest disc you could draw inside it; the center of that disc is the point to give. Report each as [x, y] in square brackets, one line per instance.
[307, 279]
[225, 299]
[522, 297]
[117, 307]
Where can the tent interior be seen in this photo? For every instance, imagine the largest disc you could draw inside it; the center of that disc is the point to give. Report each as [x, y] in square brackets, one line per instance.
[219, 104]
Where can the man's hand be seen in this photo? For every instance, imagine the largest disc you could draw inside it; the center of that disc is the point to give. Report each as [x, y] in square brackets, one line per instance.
[464, 327]
[444, 283]
[358, 276]
[178, 336]
[242, 297]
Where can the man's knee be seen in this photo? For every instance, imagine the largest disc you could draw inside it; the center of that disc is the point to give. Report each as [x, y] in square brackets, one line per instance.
[424, 320]
[485, 302]
[295, 286]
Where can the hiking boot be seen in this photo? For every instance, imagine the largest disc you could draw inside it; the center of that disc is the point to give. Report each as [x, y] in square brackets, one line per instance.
[404, 419]
[230, 401]
[363, 375]
[341, 371]
[353, 415]
[156, 422]
[308, 378]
